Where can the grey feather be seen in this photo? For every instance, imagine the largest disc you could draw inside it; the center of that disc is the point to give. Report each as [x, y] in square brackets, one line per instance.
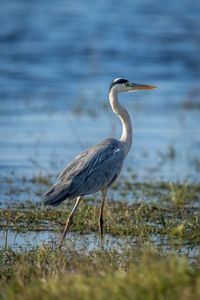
[91, 171]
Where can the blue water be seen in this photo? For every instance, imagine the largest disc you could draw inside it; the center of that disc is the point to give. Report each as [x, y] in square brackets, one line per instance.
[57, 62]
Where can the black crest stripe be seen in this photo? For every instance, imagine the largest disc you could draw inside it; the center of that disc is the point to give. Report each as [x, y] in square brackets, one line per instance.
[118, 81]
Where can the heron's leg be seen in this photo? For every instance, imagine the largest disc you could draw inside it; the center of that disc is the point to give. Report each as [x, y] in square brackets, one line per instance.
[103, 193]
[70, 219]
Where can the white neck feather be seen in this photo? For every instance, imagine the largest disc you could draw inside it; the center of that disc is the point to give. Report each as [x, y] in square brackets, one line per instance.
[119, 110]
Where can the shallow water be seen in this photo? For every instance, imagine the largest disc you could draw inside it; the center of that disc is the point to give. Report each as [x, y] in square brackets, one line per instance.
[57, 61]
[89, 242]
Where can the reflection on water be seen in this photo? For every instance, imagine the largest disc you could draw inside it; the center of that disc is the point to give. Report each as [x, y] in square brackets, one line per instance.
[57, 57]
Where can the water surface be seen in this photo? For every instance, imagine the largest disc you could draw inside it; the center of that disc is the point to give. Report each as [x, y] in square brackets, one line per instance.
[57, 62]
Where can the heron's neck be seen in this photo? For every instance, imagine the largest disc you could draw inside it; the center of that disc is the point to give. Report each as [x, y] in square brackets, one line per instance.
[119, 110]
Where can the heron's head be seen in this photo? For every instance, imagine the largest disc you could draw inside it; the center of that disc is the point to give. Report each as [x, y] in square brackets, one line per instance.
[120, 85]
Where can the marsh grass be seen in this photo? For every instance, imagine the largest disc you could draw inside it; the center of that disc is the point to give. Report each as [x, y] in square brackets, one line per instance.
[153, 258]
[49, 273]
[175, 215]
[138, 219]
[39, 178]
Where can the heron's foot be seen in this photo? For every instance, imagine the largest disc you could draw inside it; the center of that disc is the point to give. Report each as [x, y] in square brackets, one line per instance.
[102, 247]
[60, 244]
[68, 224]
[101, 230]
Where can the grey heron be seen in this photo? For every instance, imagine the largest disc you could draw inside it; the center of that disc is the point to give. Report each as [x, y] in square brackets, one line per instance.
[96, 168]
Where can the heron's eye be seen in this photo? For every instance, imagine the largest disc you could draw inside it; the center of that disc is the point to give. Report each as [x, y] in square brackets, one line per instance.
[128, 84]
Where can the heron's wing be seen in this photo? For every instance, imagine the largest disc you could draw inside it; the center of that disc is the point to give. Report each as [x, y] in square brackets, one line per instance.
[103, 171]
[89, 172]
[77, 164]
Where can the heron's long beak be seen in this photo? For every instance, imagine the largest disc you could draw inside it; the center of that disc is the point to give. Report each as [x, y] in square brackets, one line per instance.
[137, 86]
